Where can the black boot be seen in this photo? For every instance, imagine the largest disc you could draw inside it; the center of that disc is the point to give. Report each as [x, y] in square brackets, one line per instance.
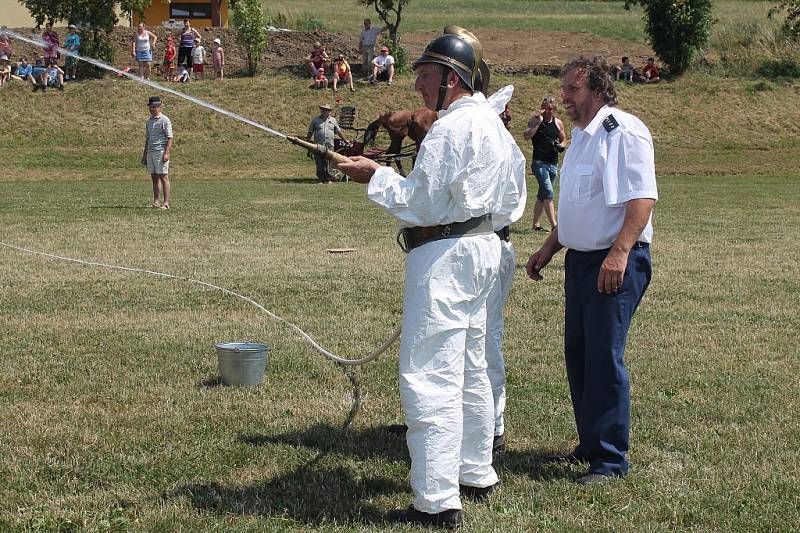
[476, 494]
[449, 519]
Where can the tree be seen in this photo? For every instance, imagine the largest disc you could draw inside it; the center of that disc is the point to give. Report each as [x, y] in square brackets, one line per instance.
[792, 22]
[676, 29]
[251, 30]
[97, 19]
[389, 11]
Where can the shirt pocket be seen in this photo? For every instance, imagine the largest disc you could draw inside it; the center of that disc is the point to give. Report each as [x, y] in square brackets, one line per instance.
[582, 186]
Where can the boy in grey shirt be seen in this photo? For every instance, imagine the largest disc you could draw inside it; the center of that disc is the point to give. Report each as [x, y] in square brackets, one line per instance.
[157, 144]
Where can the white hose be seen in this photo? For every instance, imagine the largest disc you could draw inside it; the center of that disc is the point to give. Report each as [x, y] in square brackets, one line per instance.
[303, 334]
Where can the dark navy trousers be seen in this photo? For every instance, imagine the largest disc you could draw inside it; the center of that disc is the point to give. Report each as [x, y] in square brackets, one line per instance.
[595, 333]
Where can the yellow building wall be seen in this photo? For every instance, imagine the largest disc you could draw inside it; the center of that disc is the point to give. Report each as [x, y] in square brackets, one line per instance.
[158, 12]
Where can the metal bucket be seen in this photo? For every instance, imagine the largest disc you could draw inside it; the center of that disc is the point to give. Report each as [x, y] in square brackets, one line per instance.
[241, 363]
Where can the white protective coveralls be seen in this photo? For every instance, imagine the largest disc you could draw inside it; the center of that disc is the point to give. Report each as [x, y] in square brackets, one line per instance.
[464, 169]
[496, 368]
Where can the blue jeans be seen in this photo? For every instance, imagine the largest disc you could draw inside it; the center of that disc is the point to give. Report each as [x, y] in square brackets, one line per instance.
[595, 332]
[546, 174]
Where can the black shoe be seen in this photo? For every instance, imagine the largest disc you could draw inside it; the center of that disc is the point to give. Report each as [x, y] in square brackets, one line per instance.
[573, 458]
[449, 519]
[594, 479]
[397, 429]
[498, 445]
[35, 87]
[476, 494]
[539, 229]
[60, 86]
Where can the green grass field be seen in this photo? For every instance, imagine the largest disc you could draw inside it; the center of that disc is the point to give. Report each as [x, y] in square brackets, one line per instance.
[609, 19]
[114, 419]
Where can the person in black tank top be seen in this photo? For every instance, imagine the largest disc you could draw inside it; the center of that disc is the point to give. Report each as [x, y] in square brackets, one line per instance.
[546, 133]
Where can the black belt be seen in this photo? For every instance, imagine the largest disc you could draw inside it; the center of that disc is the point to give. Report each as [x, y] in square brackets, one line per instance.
[504, 234]
[413, 237]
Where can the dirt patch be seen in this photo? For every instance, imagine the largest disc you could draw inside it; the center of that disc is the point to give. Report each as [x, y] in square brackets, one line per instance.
[522, 52]
[510, 52]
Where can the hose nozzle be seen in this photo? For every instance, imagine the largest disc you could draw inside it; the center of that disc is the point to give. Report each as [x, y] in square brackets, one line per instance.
[319, 149]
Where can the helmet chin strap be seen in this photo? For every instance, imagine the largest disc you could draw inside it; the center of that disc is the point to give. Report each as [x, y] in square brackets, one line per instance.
[442, 89]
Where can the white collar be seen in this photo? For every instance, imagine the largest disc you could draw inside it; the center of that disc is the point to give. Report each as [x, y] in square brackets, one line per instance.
[602, 113]
[475, 99]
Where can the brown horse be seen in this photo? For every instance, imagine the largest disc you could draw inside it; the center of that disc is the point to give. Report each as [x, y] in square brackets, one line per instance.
[402, 124]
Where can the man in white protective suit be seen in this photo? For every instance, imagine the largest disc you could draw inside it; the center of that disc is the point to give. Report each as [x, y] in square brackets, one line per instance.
[463, 180]
[495, 323]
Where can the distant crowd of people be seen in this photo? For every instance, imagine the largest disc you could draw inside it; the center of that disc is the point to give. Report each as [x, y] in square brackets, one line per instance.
[44, 72]
[374, 68]
[181, 65]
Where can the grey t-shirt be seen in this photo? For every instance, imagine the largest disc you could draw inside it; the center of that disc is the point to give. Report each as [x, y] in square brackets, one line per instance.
[157, 131]
[324, 130]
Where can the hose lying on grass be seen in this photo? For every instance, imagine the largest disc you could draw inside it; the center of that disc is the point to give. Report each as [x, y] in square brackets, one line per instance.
[356, 402]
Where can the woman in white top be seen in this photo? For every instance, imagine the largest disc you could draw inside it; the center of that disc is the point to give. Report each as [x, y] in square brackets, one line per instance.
[142, 44]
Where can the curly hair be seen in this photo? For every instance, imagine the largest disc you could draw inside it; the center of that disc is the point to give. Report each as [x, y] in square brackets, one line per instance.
[598, 75]
[548, 100]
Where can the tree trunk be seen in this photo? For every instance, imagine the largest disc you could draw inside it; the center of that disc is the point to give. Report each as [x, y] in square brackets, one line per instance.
[216, 21]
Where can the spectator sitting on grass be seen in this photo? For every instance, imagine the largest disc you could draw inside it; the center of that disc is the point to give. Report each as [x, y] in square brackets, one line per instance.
[23, 71]
[182, 76]
[198, 59]
[168, 65]
[72, 42]
[317, 59]
[38, 77]
[625, 71]
[383, 67]
[650, 71]
[342, 72]
[320, 81]
[218, 59]
[54, 76]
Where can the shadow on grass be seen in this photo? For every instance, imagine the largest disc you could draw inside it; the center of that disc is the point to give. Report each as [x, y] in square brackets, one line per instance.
[119, 207]
[311, 494]
[368, 443]
[301, 181]
[535, 465]
[210, 382]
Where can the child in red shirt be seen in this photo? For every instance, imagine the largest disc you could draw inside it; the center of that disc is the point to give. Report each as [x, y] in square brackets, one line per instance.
[320, 81]
[169, 59]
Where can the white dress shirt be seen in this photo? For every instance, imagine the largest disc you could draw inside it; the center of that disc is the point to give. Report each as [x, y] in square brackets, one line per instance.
[602, 169]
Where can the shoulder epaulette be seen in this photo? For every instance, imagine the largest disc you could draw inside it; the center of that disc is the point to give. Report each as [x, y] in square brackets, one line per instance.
[610, 123]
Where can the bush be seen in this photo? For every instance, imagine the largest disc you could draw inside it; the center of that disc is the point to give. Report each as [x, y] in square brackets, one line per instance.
[783, 67]
[97, 47]
[250, 23]
[676, 29]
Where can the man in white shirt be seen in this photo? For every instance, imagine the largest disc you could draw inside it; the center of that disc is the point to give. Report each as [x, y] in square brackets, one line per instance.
[464, 177]
[366, 44]
[608, 190]
[383, 67]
